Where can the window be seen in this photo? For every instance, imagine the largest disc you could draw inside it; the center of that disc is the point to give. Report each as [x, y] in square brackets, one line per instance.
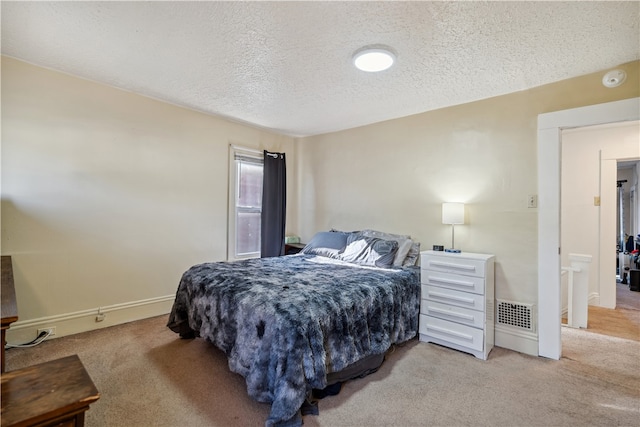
[246, 204]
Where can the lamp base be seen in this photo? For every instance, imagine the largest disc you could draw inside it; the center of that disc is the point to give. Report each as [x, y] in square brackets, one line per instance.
[453, 251]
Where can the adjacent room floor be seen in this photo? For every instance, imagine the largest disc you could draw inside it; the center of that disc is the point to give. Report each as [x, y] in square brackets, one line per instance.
[621, 322]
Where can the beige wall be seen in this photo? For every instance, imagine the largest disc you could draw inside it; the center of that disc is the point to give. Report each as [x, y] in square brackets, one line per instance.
[107, 196]
[394, 175]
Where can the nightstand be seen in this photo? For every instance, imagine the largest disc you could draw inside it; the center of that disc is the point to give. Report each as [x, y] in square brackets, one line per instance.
[51, 394]
[9, 309]
[457, 301]
[293, 248]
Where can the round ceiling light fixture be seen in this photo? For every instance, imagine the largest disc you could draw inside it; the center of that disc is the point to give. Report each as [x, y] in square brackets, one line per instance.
[373, 58]
[614, 78]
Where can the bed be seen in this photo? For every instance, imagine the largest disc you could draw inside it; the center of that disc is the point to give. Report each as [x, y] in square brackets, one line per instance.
[291, 324]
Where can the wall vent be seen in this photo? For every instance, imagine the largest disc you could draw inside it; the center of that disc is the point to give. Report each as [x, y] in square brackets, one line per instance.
[516, 315]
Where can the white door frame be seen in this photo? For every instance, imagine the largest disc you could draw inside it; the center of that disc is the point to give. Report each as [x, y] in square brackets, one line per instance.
[550, 127]
[607, 224]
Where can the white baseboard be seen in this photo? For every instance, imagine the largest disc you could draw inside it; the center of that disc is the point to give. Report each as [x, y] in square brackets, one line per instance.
[594, 299]
[83, 321]
[520, 341]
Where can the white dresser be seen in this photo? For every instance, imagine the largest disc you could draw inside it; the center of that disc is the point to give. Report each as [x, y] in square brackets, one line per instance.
[457, 304]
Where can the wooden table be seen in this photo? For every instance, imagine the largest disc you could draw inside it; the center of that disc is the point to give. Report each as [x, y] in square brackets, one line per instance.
[9, 309]
[55, 393]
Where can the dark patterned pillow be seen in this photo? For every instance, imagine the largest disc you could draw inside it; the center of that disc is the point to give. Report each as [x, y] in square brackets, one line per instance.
[326, 243]
[412, 256]
[404, 243]
[369, 251]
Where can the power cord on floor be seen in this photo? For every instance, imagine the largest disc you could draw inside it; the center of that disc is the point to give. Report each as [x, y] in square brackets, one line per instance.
[41, 337]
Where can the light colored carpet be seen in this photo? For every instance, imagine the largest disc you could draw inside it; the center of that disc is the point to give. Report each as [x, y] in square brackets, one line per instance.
[147, 376]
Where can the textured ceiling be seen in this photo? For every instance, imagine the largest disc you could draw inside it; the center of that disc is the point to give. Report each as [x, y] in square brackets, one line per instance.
[286, 66]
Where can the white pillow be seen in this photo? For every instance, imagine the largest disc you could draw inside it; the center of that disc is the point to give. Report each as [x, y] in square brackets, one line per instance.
[403, 249]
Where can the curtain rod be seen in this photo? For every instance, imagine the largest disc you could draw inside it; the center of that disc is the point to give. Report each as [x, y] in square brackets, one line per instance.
[241, 148]
[254, 151]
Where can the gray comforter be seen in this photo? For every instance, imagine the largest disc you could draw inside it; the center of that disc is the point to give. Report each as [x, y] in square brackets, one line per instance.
[286, 322]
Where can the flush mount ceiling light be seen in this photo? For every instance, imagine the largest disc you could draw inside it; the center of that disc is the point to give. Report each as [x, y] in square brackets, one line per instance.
[614, 78]
[373, 58]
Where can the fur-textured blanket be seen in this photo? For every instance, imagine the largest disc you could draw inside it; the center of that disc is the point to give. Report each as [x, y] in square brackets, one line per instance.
[286, 322]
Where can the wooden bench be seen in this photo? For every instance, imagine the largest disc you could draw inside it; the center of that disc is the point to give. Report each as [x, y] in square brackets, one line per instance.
[55, 393]
[9, 307]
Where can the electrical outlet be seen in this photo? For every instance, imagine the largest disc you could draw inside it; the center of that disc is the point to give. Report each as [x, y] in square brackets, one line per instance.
[51, 330]
[532, 201]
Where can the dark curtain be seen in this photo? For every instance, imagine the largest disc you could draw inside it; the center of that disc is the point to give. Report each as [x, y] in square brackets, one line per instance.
[274, 202]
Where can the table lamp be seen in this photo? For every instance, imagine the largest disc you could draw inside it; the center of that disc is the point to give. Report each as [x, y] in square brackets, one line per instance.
[452, 213]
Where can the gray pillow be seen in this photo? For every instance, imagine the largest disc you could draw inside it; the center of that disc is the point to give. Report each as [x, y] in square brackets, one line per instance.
[404, 243]
[369, 251]
[326, 243]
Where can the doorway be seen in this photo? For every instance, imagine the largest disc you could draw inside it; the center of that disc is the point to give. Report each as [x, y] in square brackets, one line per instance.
[550, 127]
[591, 158]
[626, 218]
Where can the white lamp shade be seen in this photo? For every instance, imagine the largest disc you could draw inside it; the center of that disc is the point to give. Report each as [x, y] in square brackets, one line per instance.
[453, 213]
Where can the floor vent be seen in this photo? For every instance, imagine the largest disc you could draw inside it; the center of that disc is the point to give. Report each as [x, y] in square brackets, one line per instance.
[516, 314]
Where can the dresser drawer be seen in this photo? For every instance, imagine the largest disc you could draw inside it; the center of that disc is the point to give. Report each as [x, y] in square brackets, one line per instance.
[456, 333]
[453, 281]
[454, 265]
[452, 297]
[451, 312]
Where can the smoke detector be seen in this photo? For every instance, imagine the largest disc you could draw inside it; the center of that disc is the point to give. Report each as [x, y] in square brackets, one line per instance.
[614, 78]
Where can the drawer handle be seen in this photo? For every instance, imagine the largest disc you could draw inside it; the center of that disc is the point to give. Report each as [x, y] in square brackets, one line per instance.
[454, 266]
[444, 281]
[450, 332]
[450, 313]
[451, 297]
